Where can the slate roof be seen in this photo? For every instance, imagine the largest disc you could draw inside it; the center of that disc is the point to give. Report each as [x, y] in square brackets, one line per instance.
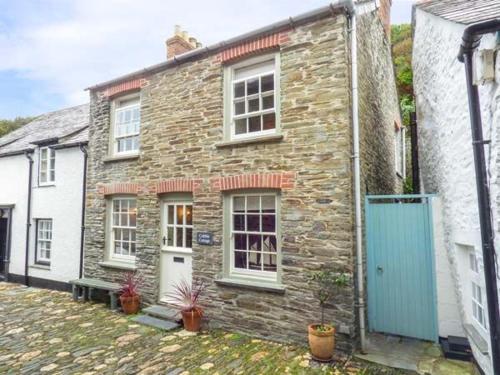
[67, 127]
[462, 11]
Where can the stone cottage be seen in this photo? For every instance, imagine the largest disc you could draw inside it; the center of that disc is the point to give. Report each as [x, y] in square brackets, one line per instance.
[41, 190]
[446, 154]
[233, 164]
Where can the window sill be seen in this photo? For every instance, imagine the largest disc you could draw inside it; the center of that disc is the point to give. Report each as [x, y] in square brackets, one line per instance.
[114, 158]
[476, 338]
[40, 266]
[118, 265]
[252, 285]
[46, 185]
[247, 141]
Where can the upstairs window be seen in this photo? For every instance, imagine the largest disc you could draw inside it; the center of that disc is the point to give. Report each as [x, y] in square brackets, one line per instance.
[127, 124]
[252, 98]
[47, 168]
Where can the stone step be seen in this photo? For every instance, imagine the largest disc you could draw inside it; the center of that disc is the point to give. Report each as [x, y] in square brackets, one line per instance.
[151, 321]
[162, 312]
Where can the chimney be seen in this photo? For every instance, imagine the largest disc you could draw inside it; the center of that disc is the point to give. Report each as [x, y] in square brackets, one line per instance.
[384, 12]
[180, 43]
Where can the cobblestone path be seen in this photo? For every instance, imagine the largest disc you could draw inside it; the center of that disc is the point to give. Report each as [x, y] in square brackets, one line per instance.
[46, 332]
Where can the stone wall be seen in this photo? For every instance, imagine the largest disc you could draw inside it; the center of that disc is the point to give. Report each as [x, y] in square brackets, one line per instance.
[181, 125]
[378, 108]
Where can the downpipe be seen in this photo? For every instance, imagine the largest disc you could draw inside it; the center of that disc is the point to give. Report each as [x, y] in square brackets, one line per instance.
[357, 179]
[470, 41]
[83, 149]
[29, 156]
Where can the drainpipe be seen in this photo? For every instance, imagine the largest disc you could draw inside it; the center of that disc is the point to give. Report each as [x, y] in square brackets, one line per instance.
[84, 190]
[28, 218]
[470, 41]
[357, 177]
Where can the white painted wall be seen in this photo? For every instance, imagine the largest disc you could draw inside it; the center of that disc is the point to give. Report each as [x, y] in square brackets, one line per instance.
[447, 167]
[60, 202]
[14, 190]
[449, 322]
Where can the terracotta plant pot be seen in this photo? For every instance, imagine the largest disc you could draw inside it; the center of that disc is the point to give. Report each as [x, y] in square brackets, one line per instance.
[130, 305]
[192, 320]
[322, 343]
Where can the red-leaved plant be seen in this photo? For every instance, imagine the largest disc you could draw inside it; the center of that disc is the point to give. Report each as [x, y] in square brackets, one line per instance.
[187, 295]
[130, 285]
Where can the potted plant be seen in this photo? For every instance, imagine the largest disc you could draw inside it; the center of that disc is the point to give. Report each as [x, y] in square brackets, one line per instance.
[322, 335]
[186, 297]
[129, 293]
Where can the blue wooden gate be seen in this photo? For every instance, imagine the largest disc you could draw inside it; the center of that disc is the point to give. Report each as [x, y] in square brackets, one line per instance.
[400, 266]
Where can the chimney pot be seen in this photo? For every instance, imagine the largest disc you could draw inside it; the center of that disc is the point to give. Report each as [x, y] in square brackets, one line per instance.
[180, 43]
[177, 30]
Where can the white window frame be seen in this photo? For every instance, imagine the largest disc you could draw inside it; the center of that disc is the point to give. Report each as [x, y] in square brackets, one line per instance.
[230, 117]
[111, 230]
[477, 296]
[44, 238]
[115, 108]
[252, 275]
[174, 226]
[400, 151]
[50, 169]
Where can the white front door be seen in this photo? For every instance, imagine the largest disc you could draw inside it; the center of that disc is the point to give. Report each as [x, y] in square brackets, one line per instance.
[176, 247]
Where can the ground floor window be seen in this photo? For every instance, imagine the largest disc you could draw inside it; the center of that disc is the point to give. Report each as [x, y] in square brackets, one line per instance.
[43, 241]
[123, 224]
[254, 242]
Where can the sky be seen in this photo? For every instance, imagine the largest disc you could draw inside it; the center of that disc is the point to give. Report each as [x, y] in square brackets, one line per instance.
[51, 50]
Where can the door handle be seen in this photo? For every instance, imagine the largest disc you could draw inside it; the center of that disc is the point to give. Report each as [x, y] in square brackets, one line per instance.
[380, 269]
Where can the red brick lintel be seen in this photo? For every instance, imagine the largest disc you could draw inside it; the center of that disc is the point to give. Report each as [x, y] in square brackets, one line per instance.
[179, 185]
[123, 87]
[119, 188]
[253, 46]
[285, 180]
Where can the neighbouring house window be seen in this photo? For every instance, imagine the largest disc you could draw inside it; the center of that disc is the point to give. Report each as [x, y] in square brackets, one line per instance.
[399, 151]
[47, 168]
[123, 228]
[476, 292]
[477, 304]
[179, 225]
[252, 97]
[43, 241]
[127, 124]
[254, 241]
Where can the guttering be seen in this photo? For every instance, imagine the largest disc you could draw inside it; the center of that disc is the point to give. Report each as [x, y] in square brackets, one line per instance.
[286, 24]
[470, 41]
[16, 153]
[84, 190]
[69, 145]
[357, 179]
[29, 156]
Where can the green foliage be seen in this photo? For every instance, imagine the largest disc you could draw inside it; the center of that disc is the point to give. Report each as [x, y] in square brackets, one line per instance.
[408, 185]
[326, 283]
[6, 126]
[402, 45]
